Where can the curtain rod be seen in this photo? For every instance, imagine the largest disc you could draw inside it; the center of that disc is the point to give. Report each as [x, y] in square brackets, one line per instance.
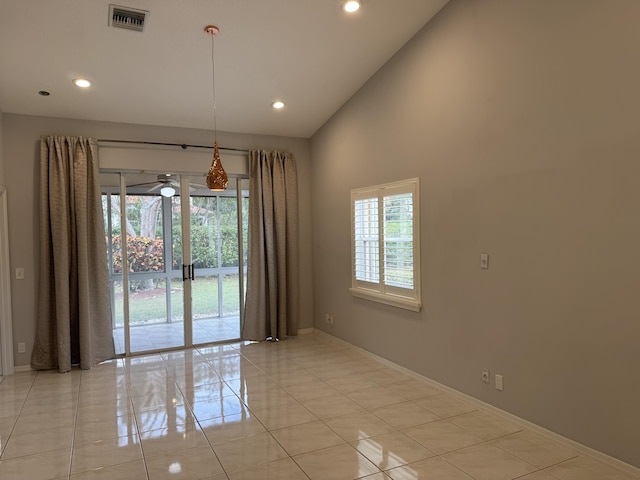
[184, 146]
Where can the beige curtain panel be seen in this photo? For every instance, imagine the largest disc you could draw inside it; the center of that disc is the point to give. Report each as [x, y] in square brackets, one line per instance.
[271, 308]
[74, 312]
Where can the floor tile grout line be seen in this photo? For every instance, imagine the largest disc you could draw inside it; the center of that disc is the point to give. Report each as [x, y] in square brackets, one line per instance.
[135, 421]
[200, 424]
[13, 427]
[487, 442]
[522, 459]
[548, 467]
[458, 468]
[290, 356]
[269, 431]
[287, 452]
[75, 423]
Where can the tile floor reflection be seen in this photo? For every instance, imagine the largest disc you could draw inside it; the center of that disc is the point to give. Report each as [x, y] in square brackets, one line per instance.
[304, 408]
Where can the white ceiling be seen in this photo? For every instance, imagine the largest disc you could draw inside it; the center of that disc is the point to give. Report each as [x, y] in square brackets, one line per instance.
[306, 52]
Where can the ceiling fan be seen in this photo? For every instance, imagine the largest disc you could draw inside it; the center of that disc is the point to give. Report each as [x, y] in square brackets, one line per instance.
[167, 183]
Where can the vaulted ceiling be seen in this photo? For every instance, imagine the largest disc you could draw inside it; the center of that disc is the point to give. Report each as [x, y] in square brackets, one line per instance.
[307, 53]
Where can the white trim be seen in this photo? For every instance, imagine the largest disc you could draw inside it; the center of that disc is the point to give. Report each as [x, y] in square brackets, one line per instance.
[24, 368]
[567, 442]
[378, 290]
[387, 299]
[6, 319]
[306, 331]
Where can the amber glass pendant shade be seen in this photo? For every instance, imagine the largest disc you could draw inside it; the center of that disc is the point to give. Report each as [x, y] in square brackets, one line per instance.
[217, 179]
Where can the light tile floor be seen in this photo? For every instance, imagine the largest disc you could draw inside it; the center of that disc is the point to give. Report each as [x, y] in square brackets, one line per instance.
[304, 408]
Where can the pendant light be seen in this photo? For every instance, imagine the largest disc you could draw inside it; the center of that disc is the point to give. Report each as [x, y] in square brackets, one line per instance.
[217, 179]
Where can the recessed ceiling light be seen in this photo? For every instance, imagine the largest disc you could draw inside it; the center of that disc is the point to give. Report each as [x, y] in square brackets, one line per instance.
[351, 6]
[278, 105]
[81, 82]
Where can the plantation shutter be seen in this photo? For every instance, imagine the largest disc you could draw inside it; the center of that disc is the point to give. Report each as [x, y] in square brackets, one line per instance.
[385, 251]
[398, 240]
[367, 242]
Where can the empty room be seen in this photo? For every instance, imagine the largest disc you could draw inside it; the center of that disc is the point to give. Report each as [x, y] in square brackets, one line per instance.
[319, 239]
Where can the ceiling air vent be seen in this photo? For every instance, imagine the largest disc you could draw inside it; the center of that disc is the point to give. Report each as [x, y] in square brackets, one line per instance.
[128, 18]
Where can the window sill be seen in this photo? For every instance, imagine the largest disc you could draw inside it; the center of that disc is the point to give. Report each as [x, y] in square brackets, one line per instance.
[387, 299]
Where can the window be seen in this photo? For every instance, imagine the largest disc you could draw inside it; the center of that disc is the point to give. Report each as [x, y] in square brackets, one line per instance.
[385, 226]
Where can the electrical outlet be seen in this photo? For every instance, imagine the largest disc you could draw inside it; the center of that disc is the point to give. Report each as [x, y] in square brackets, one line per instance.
[485, 375]
[484, 261]
[499, 383]
[21, 347]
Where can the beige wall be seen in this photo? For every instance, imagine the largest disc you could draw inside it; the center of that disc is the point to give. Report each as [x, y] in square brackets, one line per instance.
[1, 157]
[21, 154]
[521, 120]
[2, 267]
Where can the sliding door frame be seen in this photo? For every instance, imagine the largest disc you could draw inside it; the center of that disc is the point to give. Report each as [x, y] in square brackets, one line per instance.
[6, 328]
[185, 196]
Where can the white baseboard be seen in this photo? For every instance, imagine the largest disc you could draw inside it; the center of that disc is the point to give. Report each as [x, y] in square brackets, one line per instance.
[306, 331]
[567, 442]
[23, 368]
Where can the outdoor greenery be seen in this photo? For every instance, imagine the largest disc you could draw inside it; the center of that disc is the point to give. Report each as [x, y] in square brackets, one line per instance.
[144, 254]
[214, 244]
[204, 246]
[150, 307]
[214, 235]
[213, 231]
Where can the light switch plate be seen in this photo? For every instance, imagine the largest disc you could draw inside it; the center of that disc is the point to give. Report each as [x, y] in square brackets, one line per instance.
[484, 261]
[19, 273]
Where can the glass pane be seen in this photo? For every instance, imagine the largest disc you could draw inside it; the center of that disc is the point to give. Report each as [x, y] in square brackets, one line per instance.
[147, 301]
[110, 185]
[214, 231]
[229, 230]
[174, 328]
[145, 242]
[117, 306]
[111, 218]
[176, 233]
[204, 232]
[398, 240]
[205, 297]
[206, 314]
[155, 315]
[150, 327]
[177, 299]
[152, 240]
[230, 295]
[116, 233]
[244, 185]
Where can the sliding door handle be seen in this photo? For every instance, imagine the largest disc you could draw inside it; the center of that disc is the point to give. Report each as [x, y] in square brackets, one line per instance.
[193, 272]
[185, 273]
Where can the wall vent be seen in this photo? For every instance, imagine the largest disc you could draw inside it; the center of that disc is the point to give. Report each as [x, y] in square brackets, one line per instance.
[127, 18]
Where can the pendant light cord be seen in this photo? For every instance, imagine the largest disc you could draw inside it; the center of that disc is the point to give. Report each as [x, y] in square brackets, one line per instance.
[213, 83]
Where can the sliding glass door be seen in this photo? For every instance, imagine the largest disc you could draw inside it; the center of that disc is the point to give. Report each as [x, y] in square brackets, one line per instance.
[218, 230]
[177, 266]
